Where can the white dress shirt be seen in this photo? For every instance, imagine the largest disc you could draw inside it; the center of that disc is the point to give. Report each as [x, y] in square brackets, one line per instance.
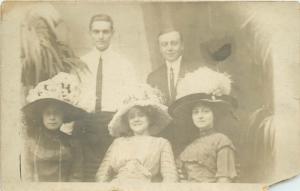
[117, 73]
[176, 69]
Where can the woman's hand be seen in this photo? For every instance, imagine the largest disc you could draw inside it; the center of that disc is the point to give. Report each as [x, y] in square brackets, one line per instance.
[180, 171]
[67, 128]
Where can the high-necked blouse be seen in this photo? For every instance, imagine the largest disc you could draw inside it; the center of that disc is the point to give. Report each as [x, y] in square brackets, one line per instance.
[138, 158]
[209, 157]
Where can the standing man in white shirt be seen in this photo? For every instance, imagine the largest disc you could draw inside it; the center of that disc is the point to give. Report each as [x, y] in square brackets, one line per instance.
[102, 87]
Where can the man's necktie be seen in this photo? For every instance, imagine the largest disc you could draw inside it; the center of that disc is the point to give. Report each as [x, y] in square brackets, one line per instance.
[99, 86]
[172, 85]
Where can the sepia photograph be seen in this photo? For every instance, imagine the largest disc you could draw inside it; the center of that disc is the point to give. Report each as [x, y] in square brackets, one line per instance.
[149, 95]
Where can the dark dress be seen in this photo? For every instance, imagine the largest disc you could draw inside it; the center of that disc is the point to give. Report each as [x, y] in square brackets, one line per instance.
[53, 156]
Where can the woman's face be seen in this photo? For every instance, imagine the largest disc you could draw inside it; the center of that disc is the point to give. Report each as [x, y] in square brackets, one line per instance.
[202, 116]
[138, 121]
[53, 117]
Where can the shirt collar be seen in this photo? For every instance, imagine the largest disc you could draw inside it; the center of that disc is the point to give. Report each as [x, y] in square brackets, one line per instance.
[101, 54]
[174, 64]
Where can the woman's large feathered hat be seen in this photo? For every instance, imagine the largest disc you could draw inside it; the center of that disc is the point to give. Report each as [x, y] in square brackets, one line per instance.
[62, 89]
[202, 85]
[140, 95]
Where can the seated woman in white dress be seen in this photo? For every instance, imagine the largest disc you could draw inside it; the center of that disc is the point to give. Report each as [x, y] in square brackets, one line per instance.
[136, 155]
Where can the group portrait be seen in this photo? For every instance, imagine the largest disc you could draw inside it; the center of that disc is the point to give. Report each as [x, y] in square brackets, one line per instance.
[148, 92]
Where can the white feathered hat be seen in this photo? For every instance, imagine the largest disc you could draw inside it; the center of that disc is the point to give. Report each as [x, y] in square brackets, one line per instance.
[62, 89]
[202, 85]
[140, 95]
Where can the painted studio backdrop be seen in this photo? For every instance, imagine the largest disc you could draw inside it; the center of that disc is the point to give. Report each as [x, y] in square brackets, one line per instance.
[250, 41]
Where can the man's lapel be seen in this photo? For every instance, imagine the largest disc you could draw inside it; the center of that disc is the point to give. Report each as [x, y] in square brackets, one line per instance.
[182, 69]
[163, 81]
[164, 78]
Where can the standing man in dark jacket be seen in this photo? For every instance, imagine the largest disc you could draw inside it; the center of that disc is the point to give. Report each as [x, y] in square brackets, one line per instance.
[167, 76]
[174, 66]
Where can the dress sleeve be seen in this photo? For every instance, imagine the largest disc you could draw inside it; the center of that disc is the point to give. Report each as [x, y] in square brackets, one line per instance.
[226, 159]
[105, 170]
[168, 167]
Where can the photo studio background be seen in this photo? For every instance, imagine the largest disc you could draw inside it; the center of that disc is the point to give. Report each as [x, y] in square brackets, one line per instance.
[257, 43]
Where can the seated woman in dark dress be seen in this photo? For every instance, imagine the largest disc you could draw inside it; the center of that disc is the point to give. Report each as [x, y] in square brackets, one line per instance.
[51, 155]
[203, 97]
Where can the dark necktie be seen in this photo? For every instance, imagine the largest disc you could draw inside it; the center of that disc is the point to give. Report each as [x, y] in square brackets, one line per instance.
[99, 87]
[172, 85]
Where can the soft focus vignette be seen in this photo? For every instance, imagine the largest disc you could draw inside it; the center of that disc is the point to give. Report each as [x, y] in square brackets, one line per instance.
[285, 89]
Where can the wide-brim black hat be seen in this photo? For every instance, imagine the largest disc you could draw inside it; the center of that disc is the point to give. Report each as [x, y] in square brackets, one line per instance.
[183, 106]
[203, 85]
[35, 109]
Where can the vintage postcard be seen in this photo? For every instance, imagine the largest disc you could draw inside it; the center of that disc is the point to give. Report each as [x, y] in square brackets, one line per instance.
[149, 95]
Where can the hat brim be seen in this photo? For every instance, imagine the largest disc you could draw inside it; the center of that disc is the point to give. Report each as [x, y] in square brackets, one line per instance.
[35, 109]
[183, 106]
[159, 118]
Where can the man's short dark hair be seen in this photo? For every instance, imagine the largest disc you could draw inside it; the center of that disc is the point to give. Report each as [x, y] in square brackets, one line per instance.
[101, 17]
[168, 30]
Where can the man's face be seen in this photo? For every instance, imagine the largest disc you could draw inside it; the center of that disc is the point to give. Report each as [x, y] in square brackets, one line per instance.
[101, 33]
[171, 46]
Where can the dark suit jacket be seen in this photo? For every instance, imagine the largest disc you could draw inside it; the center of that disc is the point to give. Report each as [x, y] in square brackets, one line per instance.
[95, 139]
[159, 77]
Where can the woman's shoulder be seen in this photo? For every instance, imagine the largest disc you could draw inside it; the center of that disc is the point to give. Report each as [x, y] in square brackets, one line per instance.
[122, 140]
[119, 140]
[118, 143]
[150, 139]
[220, 136]
[161, 141]
[222, 141]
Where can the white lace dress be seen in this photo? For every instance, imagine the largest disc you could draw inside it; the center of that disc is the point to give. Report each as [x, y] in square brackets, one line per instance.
[138, 159]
